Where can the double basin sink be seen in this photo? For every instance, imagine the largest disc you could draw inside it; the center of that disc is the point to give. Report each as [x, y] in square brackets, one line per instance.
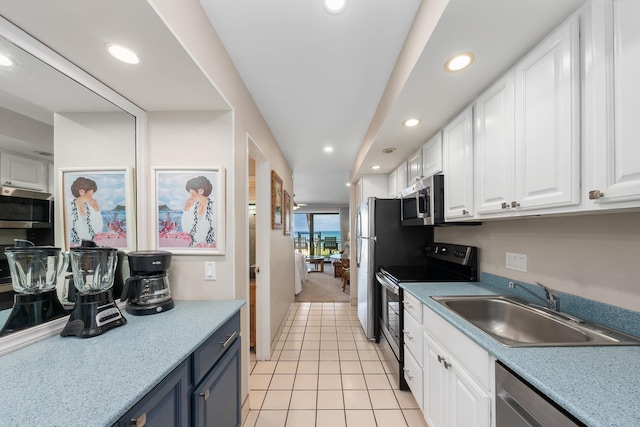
[515, 322]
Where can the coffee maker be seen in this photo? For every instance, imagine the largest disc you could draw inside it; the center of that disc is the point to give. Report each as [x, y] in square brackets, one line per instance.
[94, 311]
[34, 272]
[147, 288]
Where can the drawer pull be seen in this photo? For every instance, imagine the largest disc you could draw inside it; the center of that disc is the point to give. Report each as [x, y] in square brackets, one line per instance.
[140, 422]
[205, 394]
[408, 335]
[229, 339]
[408, 305]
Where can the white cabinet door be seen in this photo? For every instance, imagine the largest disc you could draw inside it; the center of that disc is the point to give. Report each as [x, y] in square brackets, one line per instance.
[432, 156]
[393, 184]
[547, 156]
[373, 186]
[494, 145]
[23, 172]
[434, 382]
[402, 175]
[469, 404]
[414, 168]
[457, 143]
[613, 106]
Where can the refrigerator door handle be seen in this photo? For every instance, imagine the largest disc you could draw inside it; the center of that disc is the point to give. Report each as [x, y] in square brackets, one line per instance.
[370, 238]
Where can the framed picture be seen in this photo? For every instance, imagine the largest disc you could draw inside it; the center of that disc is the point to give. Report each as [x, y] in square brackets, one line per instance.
[98, 205]
[288, 213]
[189, 211]
[276, 201]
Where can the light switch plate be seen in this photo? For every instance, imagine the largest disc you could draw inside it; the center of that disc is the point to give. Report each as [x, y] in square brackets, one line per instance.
[209, 270]
[516, 261]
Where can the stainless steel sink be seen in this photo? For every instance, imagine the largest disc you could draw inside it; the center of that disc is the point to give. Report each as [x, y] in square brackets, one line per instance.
[515, 322]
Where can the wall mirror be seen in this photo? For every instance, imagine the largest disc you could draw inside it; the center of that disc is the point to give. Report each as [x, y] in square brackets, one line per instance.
[54, 113]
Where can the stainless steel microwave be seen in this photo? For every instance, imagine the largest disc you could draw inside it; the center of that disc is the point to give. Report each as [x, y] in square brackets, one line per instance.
[25, 209]
[423, 202]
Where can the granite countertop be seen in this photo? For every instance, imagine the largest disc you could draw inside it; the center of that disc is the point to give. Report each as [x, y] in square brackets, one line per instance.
[94, 381]
[598, 385]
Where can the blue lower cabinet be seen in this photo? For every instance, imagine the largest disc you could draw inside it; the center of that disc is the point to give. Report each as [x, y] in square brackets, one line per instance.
[167, 405]
[204, 390]
[216, 400]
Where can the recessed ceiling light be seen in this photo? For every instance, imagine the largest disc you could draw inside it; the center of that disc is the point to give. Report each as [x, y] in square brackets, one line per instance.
[411, 122]
[123, 53]
[5, 61]
[334, 6]
[348, 184]
[328, 149]
[459, 62]
[388, 150]
[375, 167]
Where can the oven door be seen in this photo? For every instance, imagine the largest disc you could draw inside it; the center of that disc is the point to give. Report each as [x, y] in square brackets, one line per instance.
[390, 313]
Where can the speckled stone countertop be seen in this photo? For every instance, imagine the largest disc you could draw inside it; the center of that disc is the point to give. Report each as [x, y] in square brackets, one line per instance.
[94, 381]
[598, 385]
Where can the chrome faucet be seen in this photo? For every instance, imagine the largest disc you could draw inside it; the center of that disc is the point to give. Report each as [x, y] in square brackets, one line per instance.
[551, 296]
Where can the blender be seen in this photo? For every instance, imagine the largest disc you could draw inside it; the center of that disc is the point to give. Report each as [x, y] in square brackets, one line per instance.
[147, 288]
[34, 272]
[95, 311]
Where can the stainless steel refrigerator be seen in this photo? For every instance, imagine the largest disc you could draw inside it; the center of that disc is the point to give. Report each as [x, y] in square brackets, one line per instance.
[381, 240]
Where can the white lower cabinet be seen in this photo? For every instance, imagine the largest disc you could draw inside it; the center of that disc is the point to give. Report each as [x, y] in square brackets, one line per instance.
[458, 377]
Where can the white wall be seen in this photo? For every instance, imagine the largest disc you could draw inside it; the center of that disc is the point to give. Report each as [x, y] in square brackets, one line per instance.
[194, 139]
[91, 139]
[592, 256]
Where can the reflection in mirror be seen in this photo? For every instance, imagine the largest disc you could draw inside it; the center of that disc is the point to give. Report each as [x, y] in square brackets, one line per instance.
[44, 112]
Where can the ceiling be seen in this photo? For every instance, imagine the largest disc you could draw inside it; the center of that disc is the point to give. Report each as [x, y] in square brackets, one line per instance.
[318, 79]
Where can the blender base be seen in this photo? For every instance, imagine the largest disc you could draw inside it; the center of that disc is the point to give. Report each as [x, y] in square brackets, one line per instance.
[92, 315]
[32, 310]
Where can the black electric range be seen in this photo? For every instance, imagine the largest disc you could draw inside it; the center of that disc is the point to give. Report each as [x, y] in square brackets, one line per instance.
[444, 262]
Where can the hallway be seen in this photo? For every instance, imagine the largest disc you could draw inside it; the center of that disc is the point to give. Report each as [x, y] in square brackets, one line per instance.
[324, 372]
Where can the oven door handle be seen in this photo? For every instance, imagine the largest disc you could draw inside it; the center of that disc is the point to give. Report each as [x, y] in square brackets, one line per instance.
[390, 286]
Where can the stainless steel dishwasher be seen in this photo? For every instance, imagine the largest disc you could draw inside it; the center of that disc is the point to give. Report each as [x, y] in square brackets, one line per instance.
[520, 405]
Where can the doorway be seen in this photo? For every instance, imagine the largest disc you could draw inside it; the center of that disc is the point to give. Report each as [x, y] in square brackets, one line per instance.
[258, 171]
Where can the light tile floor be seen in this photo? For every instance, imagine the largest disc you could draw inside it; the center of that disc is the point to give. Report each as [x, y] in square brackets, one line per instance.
[325, 373]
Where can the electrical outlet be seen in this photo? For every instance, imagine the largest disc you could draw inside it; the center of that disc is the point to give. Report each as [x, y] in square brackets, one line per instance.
[516, 261]
[209, 270]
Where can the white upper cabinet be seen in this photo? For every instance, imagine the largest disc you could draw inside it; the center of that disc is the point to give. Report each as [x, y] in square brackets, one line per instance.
[432, 156]
[414, 168]
[393, 184]
[372, 186]
[457, 155]
[547, 118]
[23, 172]
[494, 148]
[612, 105]
[402, 173]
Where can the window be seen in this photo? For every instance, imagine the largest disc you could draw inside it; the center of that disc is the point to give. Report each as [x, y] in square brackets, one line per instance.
[317, 234]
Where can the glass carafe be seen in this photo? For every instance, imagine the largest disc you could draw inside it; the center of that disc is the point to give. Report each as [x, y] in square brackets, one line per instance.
[93, 268]
[35, 269]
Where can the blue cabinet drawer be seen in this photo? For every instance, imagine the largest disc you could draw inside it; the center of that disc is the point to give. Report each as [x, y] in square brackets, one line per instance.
[211, 350]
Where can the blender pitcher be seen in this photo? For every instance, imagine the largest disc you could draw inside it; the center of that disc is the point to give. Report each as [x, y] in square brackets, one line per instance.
[35, 269]
[93, 268]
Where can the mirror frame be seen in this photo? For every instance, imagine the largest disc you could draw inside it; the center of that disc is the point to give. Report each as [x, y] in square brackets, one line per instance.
[24, 41]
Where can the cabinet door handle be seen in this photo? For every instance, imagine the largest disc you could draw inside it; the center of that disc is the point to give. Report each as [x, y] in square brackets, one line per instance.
[446, 364]
[408, 305]
[515, 204]
[465, 212]
[140, 422]
[229, 339]
[407, 372]
[441, 359]
[505, 205]
[205, 394]
[595, 194]
[409, 337]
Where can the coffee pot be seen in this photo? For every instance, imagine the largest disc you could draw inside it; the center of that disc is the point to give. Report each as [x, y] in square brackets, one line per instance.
[94, 311]
[147, 288]
[34, 272]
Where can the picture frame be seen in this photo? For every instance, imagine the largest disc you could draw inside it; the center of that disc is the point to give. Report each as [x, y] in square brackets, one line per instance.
[288, 214]
[98, 204]
[277, 216]
[189, 210]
